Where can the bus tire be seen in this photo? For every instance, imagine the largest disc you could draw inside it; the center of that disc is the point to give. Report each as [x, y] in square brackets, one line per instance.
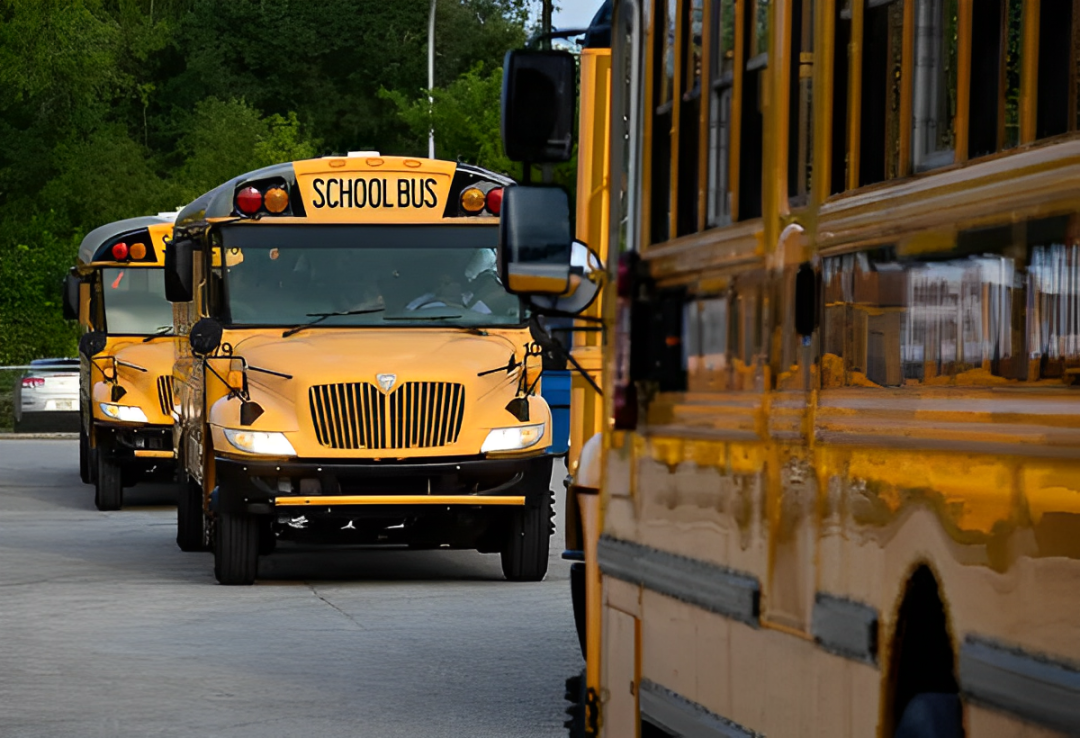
[84, 457]
[236, 548]
[109, 482]
[525, 551]
[190, 521]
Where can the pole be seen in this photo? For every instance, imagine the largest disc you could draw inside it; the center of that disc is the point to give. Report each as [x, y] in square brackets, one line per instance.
[431, 78]
[546, 171]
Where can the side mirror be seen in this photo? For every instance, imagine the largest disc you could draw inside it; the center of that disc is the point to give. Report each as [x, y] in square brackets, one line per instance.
[535, 241]
[586, 278]
[71, 297]
[92, 343]
[180, 270]
[205, 337]
[538, 94]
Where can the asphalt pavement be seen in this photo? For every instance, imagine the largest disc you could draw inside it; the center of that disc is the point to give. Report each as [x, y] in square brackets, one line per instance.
[108, 629]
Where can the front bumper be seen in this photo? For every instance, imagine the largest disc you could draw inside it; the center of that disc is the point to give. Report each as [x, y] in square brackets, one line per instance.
[149, 444]
[260, 486]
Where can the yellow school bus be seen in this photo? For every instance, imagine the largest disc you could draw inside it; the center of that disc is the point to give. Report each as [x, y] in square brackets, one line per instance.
[352, 370]
[117, 293]
[840, 482]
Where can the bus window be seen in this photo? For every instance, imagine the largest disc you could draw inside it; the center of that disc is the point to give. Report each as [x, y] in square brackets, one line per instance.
[841, 44]
[800, 121]
[1056, 60]
[882, 49]
[752, 142]
[722, 76]
[663, 107]
[935, 83]
[689, 117]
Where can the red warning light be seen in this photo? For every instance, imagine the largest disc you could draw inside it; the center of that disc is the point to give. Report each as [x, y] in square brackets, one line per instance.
[249, 200]
[120, 251]
[494, 200]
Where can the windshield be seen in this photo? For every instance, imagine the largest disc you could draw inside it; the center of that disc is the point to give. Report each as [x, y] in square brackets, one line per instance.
[135, 301]
[383, 275]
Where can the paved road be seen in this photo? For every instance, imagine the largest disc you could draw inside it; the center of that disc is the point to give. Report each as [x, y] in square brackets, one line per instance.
[107, 629]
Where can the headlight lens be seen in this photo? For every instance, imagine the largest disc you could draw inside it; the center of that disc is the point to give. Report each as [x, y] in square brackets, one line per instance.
[126, 413]
[260, 442]
[512, 439]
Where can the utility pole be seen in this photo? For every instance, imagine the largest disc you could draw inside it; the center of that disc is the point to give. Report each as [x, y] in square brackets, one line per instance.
[545, 21]
[431, 77]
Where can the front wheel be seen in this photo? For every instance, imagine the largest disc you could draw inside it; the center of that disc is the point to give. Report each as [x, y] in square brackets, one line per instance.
[525, 551]
[84, 457]
[109, 484]
[236, 548]
[190, 521]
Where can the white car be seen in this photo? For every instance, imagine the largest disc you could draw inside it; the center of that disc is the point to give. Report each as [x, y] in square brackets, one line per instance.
[47, 396]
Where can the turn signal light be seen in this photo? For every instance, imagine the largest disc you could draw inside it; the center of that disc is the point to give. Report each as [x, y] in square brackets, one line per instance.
[472, 200]
[33, 382]
[120, 251]
[276, 200]
[249, 200]
[494, 200]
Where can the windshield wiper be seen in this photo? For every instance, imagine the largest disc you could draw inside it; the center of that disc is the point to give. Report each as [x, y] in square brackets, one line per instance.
[320, 317]
[162, 330]
[421, 317]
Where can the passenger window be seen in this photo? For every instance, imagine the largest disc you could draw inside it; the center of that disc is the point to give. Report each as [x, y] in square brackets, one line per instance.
[800, 121]
[841, 43]
[752, 121]
[690, 117]
[663, 89]
[1056, 103]
[1003, 306]
[882, 63]
[994, 95]
[934, 98]
[722, 76]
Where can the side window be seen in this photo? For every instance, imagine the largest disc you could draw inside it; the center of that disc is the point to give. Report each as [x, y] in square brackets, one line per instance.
[690, 116]
[994, 95]
[934, 99]
[722, 76]
[800, 120]
[839, 133]
[663, 106]
[1001, 307]
[882, 64]
[752, 122]
[1056, 108]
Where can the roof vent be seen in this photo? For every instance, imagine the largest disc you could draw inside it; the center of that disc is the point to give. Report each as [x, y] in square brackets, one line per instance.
[358, 154]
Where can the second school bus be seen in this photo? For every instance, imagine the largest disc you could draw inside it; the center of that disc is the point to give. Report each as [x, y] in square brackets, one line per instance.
[353, 370]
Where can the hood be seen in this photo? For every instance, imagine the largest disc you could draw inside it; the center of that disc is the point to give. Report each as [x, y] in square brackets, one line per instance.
[150, 390]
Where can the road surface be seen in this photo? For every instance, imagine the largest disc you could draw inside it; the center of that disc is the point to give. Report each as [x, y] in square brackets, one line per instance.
[108, 629]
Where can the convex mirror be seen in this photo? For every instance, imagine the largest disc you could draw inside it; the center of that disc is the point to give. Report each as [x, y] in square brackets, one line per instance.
[586, 279]
[71, 296]
[205, 337]
[92, 343]
[535, 241]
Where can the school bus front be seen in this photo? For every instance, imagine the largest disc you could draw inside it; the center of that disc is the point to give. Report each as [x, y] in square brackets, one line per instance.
[355, 371]
[117, 293]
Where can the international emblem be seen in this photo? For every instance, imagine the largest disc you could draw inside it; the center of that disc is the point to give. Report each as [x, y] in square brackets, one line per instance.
[386, 381]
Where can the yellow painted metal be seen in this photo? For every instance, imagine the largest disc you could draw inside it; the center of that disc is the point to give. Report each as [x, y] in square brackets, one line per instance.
[328, 500]
[1029, 69]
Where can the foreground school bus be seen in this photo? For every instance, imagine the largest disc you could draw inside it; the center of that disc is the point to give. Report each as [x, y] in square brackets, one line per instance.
[353, 370]
[117, 293]
[840, 488]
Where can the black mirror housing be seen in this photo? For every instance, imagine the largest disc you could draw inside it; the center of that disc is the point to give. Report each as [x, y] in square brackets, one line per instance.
[180, 270]
[92, 343]
[535, 241]
[538, 95]
[71, 297]
[205, 336]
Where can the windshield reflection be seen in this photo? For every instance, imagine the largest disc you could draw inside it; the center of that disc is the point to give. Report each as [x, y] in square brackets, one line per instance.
[280, 281]
[135, 301]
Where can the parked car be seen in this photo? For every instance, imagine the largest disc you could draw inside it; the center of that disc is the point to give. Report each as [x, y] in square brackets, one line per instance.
[47, 396]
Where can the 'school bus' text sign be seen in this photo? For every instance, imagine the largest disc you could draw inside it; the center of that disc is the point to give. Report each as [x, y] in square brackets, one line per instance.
[374, 190]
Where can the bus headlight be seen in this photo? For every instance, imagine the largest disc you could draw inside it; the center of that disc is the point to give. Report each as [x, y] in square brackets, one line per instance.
[512, 439]
[268, 443]
[126, 413]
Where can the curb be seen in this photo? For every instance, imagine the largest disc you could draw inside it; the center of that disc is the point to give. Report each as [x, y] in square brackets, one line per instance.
[39, 436]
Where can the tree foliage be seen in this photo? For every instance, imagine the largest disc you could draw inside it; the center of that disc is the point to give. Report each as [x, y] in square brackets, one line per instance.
[111, 109]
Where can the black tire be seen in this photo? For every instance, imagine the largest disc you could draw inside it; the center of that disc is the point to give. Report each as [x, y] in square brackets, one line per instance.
[267, 538]
[236, 549]
[525, 551]
[84, 457]
[108, 484]
[932, 715]
[190, 520]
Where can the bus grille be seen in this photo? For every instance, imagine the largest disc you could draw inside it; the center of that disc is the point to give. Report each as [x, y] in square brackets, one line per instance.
[165, 394]
[415, 415]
